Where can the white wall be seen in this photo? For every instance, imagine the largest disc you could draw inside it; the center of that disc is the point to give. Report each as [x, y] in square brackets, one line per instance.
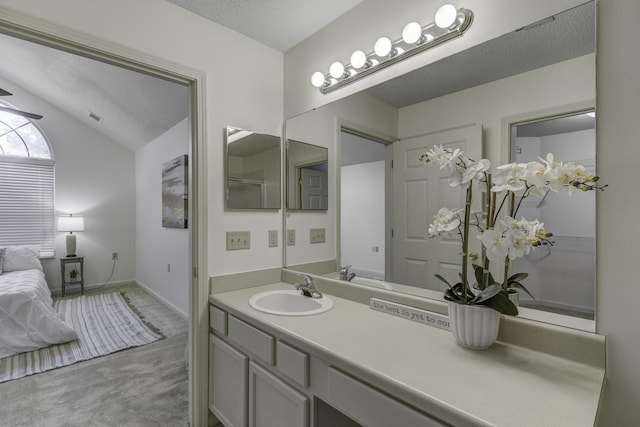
[618, 232]
[94, 177]
[162, 254]
[244, 87]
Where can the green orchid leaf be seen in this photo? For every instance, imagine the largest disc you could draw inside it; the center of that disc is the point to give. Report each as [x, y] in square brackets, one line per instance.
[520, 286]
[486, 294]
[517, 277]
[501, 303]
[443, 279]
[478, 272]
[450, 295]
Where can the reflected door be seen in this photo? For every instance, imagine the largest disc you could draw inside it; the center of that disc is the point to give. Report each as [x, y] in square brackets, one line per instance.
[419, 191]
[314, 188]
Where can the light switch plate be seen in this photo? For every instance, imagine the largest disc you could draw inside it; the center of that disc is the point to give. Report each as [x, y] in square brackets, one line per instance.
[238, 240]
[291, 237]
[273, 238]
[317, 235]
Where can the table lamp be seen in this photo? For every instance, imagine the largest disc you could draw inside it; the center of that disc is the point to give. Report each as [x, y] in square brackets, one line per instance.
[71, 223]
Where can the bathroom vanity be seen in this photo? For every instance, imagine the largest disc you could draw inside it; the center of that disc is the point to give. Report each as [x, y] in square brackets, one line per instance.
[355, 366]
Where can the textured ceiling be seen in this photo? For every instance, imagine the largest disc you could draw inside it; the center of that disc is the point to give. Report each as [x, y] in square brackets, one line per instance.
[280, 24]
[135, 107]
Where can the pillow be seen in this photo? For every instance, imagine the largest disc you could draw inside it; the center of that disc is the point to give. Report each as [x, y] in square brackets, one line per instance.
[21, 258]
[1, 258]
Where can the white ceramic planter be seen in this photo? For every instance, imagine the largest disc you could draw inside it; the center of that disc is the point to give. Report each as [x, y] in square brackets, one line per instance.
[474, 326]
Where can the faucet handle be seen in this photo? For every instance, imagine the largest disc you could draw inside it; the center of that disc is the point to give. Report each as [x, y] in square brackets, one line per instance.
[345, 269]
[308, 280]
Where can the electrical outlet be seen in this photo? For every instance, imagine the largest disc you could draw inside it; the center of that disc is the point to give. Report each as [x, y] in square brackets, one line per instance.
[291, 237]
[317, 235]
[273, 238]
[238, 240]
[114, 256]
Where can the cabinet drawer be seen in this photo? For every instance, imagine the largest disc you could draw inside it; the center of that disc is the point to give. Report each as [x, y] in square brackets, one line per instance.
[218, 320]
[293, 363]
[371, 407]
[253, 339]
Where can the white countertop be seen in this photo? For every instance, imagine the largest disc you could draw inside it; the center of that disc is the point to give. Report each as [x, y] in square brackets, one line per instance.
[505, 385]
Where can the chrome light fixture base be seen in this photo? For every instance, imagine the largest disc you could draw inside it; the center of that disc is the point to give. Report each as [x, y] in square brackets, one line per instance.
[432, 35]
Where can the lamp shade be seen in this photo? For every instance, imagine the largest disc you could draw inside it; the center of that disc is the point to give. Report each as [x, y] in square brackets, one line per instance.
[71, 223]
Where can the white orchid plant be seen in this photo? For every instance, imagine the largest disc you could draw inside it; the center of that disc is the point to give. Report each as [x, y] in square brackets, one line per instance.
[503, 237]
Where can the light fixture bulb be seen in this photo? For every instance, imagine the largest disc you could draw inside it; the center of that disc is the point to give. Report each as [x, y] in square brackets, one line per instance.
[317, 79]
[382, 47]
[412, 33]
[358, 59]
[446, 15]
[336, 70]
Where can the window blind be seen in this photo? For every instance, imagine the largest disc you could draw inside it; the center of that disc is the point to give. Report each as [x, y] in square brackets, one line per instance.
[26, 204]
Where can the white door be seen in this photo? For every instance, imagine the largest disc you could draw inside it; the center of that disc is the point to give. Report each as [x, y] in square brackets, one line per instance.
[418, 192]
[314, 186]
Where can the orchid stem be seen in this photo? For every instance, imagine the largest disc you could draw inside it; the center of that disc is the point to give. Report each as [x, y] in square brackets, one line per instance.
[465, 242]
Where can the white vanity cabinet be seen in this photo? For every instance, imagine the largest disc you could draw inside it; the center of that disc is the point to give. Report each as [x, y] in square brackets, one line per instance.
[242, 392]
[257, 379]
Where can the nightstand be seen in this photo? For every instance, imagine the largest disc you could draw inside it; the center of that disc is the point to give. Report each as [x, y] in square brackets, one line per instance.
[77, 263]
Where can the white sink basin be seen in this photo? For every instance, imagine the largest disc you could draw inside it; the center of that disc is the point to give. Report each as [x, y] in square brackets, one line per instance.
[371, 282]
[289, 303]
[365, 281]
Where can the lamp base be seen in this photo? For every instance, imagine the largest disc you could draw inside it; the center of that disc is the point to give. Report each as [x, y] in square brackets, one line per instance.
[71, 245]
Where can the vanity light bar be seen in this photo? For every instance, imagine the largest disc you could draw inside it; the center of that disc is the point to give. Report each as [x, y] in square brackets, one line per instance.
[448, 24]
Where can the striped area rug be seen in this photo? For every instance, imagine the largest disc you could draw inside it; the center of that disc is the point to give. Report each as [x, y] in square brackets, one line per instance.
[105, 323]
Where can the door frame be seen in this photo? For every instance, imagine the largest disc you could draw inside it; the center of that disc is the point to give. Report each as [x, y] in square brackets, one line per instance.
[34, 29]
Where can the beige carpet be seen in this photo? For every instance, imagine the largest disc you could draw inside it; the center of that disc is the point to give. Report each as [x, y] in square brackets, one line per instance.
[143, 386]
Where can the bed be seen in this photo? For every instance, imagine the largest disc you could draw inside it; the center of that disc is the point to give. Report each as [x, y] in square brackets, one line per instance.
[28, 320]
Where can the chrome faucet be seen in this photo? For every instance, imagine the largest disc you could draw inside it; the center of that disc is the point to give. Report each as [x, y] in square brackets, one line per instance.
[308, 288]
[345, 275]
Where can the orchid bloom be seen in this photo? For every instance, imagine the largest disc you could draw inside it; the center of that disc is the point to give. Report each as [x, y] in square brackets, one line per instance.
[445, 158]
[445, 221]
[509, 178]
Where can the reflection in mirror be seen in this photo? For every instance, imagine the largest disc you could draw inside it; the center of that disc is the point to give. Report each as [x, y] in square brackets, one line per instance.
[564, 282]
[545, 66]
[253, 170]
[307, 183]
[362, 205]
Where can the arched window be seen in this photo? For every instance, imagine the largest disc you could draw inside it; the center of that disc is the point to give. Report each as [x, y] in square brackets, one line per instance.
[26, 184]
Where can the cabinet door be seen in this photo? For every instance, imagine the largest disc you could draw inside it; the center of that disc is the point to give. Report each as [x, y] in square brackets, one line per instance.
[228, 383]
[273, 403]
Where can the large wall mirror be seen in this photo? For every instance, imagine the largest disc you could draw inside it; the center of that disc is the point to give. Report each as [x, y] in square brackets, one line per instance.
[544, 69]
[252, 170]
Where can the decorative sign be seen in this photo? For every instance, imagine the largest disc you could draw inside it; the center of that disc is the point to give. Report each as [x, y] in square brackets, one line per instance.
[411, 313]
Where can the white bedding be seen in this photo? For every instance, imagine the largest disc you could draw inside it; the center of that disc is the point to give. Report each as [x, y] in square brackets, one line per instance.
[27, 318]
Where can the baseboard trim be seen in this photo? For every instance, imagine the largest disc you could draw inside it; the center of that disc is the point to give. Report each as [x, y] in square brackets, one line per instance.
[76, 289]
[163, 300]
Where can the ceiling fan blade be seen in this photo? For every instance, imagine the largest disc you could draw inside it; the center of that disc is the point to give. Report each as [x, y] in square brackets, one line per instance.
[4, 92]
[21, 113]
